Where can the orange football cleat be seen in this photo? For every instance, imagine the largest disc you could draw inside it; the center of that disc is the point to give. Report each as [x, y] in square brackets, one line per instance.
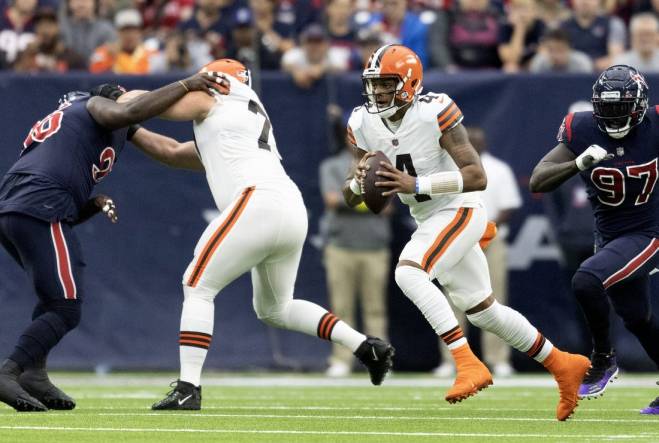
[472, 375]
[568, 371]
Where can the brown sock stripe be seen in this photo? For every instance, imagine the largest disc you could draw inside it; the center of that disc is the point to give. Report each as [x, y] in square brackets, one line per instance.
[325, 325]
[454, 337]
[196, 333]
[195, 339]
[321, 324]
[330, 327]
[450, 332]
[193, 343]
[192, 336]
[537, 346]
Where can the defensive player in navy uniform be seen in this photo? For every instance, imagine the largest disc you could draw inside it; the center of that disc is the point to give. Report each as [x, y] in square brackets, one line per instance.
[614, 149]
[47, 192]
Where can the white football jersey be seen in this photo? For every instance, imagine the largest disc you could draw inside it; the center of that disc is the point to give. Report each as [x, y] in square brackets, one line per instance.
[237, 146]
[414, 147]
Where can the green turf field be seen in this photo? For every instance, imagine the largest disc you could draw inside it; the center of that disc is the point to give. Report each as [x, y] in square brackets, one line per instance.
[299, 408]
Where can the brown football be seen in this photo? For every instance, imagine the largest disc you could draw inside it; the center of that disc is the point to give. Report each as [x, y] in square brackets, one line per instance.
[373, 197]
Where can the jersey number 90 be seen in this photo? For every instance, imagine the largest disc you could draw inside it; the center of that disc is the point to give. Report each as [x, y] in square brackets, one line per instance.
[44, 129]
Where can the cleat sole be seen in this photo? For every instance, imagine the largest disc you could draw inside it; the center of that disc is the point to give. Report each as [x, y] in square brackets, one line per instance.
[60, 405]
[600, 394]
[27, 406]
[464, 396]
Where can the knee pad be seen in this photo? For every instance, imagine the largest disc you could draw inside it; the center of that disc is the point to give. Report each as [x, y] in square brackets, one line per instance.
[199, 292]
[68, 312]
[408, 277]
[273, 315]
[488, 319]
[586, 284]
[506, 323]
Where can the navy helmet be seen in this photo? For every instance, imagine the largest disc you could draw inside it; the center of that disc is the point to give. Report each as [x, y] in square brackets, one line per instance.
[107, 90]
[620, 99]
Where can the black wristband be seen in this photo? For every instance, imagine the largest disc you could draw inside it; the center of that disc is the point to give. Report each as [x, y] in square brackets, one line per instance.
[132, 129]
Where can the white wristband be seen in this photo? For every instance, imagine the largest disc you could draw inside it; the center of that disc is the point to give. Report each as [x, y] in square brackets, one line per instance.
[354, 187]
[440, 183]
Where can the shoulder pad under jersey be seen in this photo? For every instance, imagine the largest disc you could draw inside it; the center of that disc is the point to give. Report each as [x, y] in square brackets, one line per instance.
[356, 118]
[432, 104]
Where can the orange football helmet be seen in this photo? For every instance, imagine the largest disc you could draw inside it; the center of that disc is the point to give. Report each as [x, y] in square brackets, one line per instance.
[231, 67]
[393, 62]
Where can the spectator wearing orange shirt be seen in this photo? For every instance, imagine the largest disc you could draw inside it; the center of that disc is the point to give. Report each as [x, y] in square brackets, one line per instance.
[127, 55]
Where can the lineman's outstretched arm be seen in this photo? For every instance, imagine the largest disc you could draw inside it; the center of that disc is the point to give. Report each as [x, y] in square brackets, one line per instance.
[166, 150]
[114, 115]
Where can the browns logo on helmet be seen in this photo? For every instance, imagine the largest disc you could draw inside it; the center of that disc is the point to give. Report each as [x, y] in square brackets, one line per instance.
[231, 67]
[396, 67]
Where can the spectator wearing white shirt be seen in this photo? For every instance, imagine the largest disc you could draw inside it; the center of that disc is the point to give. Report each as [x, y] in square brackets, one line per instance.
[501, 198]
[644, 35]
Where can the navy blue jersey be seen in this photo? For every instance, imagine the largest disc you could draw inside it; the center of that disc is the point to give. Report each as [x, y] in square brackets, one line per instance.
[63, 157]
[620, 190]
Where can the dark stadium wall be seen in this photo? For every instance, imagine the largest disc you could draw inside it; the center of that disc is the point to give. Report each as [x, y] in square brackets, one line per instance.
[132, 289]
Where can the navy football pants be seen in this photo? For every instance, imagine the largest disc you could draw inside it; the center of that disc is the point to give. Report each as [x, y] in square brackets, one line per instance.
[624, 259]
[620, 270]
[51, 256]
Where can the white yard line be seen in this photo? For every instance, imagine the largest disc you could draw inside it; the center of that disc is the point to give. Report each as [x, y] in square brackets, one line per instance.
[646, 436]
[301, 380]
[648, 421]
[345, 408]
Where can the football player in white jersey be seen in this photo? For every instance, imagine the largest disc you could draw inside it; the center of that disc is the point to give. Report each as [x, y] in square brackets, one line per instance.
[436, 172]
[262, 228]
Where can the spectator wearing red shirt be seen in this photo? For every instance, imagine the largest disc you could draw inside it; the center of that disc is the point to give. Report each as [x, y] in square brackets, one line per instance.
[164, 14]
[17, 28]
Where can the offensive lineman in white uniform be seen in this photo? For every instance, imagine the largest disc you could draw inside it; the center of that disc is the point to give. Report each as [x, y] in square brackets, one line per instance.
[435, 172]
[262, 229]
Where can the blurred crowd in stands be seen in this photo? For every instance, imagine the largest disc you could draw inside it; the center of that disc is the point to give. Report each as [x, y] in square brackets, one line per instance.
[309, 38]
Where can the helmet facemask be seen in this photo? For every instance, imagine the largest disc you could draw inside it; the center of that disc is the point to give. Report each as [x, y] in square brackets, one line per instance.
[384, 85]
[617, 116]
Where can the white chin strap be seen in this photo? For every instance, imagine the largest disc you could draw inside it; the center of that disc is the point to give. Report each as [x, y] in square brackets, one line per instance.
[619, 133]
[387, 112]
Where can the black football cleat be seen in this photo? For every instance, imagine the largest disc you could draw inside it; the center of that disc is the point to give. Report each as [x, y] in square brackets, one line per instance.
[11, 392]
[35, 381]
[184, 397]
[376, 354]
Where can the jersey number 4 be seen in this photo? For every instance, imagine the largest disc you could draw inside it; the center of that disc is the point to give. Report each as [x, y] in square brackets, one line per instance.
[404, 163]
[44, 129]
[265, 132]
[611, 183]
